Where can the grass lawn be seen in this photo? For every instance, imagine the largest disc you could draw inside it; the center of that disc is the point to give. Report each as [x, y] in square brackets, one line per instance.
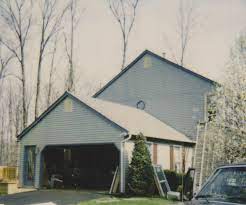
[129, 201]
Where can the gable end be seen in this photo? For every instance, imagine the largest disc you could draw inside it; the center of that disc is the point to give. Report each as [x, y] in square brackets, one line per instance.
[53, 106]
[156, 56]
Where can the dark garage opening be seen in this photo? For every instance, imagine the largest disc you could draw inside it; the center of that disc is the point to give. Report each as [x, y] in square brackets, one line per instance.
[80, 166]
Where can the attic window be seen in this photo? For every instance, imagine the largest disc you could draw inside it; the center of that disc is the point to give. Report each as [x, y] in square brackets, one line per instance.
[140, 105]
[68, 105]
[147, 62]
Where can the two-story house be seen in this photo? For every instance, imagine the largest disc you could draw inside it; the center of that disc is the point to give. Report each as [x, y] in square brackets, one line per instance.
[152, 95]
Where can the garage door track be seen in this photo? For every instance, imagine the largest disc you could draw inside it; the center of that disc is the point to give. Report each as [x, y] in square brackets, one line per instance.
[49, 197]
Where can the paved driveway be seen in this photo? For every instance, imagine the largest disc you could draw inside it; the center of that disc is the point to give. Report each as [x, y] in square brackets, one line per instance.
[49, 197]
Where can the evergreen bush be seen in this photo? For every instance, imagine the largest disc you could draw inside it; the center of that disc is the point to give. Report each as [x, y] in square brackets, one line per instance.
[140, 172]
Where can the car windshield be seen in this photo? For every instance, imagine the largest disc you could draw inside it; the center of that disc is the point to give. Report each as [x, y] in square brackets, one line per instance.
[227, 184]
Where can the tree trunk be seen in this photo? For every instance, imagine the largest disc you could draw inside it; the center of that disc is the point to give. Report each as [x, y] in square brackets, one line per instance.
[124, 53]
[38, 87]
[41, 51]
[24, 95]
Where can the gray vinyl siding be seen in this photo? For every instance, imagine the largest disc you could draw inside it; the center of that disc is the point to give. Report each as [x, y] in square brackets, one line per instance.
[172, 95]
[81, 126]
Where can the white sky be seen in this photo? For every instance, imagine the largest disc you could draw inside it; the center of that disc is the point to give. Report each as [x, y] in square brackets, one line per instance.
[99, 39]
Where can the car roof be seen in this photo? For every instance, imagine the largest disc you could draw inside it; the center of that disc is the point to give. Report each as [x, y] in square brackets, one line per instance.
[233, 165]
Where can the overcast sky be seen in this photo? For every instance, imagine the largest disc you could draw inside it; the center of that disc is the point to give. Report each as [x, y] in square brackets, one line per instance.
[98, 47]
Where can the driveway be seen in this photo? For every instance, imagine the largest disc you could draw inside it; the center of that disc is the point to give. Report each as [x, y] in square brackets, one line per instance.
[49, 197]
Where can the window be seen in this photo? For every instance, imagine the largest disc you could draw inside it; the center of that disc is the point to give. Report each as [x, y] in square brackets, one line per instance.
[155, 154]
[226, 185]
[67, 154]
[140, 105]
[68, 105]
[30, 163]
[175, 158]
[147, 62]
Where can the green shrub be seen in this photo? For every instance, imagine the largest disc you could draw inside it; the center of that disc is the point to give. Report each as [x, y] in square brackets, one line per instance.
[141, 173]
[174, 179]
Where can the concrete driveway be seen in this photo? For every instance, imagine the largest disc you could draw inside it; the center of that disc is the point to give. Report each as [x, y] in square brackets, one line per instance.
[49, 197]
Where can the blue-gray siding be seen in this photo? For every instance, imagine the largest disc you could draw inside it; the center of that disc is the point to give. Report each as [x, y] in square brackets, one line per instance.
[172, 95]
[81, 126]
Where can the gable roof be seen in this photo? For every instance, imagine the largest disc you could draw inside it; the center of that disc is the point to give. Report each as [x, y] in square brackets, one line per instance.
[158, 57]
[53, 106]
[130, 119]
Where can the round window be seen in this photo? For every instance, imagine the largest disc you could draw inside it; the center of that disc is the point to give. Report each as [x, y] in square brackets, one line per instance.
[141, 105]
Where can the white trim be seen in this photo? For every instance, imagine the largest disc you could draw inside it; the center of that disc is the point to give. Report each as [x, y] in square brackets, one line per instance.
[180, 157]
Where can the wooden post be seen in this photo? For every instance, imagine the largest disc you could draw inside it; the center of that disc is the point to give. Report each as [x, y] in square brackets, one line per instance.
[171, 158]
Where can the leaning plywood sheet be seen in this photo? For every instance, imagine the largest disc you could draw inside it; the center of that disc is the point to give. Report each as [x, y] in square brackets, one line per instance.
[115, 182]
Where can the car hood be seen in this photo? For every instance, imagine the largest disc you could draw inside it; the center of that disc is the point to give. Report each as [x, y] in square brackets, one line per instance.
[211, 202]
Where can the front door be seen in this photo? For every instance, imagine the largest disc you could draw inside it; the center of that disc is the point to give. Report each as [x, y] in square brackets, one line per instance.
[29, 171]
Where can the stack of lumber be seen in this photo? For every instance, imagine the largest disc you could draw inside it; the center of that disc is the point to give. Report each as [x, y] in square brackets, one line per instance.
[8, 174]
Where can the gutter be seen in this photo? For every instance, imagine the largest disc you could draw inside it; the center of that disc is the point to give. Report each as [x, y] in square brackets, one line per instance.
[122, 168]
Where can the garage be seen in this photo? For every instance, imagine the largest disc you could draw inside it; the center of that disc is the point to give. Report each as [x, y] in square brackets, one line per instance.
[89, 166]
[81, 143]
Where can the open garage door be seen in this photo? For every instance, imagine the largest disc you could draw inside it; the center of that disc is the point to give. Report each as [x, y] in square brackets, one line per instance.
[79, 166]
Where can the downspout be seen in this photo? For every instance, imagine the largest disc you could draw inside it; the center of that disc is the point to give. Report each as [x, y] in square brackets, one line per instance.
[122, 168]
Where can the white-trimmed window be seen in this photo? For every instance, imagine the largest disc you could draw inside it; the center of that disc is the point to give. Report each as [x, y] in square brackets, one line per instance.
[177, 155]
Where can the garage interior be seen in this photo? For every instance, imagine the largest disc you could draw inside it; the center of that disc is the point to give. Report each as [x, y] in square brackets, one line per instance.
[79, 166]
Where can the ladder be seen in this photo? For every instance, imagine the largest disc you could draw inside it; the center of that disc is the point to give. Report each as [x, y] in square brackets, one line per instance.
[161, 180]
[200, 156]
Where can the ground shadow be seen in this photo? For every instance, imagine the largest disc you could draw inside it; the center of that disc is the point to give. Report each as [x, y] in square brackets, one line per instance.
[50, 197]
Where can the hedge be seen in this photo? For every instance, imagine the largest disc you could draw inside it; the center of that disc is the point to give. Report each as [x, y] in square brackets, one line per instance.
[174, 179]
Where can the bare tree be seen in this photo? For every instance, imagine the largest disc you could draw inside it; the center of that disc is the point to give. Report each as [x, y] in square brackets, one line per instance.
[50, 24]
[186, 23]
[2, 134]
[69, 46]
[11, 115]
[124, 12]
[16, 19]
[15, 125]
[5, 59]
[4, 62]
[51, 92]
[50, 86]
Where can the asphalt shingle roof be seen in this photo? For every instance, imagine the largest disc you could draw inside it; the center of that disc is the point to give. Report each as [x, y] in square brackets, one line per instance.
[129, 118]
[135, 120]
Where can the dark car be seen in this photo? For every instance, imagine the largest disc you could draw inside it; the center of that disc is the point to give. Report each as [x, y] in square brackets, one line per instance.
[227, 185]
